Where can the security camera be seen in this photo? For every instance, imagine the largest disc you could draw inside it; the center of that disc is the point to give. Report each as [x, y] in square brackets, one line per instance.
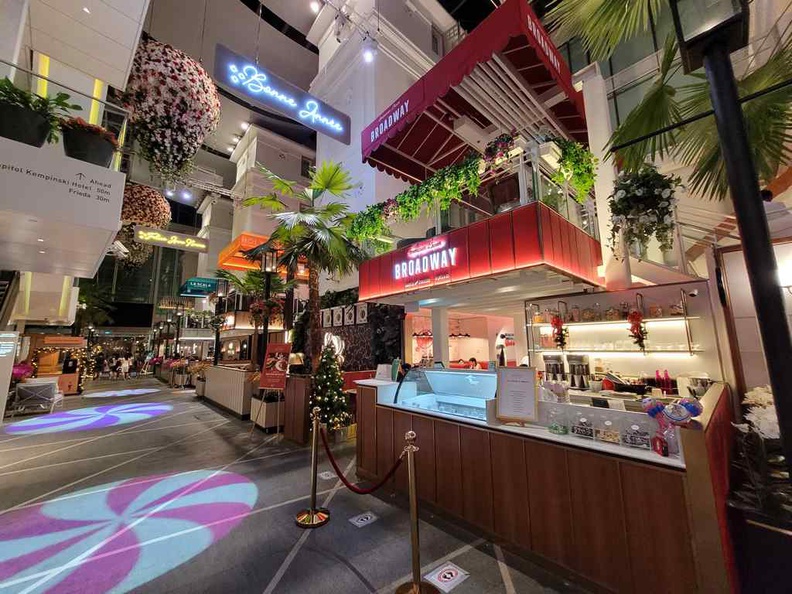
[693, 293]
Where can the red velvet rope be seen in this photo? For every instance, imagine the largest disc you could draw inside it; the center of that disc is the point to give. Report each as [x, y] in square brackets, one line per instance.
[342, 478]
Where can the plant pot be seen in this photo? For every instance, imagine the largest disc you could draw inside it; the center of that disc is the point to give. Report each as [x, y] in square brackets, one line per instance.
[200, 387]
[87, 146]
[23, 125]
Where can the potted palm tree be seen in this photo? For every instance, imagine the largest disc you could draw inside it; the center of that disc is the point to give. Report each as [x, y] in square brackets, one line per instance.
[29, 118]
[88, 142]
[253, 284]
[317, 232]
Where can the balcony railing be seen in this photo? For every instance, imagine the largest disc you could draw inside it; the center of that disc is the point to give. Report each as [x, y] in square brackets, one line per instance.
[93, 109]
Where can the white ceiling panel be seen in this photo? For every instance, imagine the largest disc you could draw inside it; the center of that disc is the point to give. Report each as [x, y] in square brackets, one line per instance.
[98, 37]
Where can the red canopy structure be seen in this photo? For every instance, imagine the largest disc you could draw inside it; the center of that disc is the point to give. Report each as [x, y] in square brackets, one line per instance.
[505, 75]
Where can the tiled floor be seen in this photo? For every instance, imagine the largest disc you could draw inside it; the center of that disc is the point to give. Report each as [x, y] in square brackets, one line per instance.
[177, 496]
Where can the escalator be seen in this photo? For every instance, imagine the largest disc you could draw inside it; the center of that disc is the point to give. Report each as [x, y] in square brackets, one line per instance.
[9, 287]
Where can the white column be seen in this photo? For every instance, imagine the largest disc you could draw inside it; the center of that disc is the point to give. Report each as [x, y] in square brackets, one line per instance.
[13, 15]
[440, 334]
[598, 124]
[520, 337]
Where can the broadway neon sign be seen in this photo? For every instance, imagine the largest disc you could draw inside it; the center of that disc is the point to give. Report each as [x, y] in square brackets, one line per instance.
[238, 73]
[428, 258]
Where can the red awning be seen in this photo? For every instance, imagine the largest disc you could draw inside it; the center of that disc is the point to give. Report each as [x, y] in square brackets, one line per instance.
[505, 75]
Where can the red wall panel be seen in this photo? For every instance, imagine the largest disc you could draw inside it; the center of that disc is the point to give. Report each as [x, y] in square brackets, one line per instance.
[555, 234]
[479, 249]
[527, 251]
[364, 277]
[564, 229]
[545, 214]
[574, 255]
[459, 239]
[374, 275]
[501, 242]
[386, 274]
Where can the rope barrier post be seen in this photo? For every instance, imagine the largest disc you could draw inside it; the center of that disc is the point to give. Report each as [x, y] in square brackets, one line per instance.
[416, 586]
[313, 517]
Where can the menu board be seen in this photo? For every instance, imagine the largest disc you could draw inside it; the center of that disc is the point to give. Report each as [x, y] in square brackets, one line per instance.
[276, 364]
[517, 399]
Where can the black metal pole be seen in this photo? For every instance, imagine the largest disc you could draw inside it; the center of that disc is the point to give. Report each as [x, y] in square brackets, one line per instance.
[218, 311]
[178, 330]
[265, 324]
[760, 259]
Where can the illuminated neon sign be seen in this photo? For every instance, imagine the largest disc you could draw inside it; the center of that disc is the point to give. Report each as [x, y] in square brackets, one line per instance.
[179, 241]
[428, 257]
[238, 74]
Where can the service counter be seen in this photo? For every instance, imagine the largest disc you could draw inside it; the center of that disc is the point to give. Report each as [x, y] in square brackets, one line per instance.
[615, 518]
[230, 388]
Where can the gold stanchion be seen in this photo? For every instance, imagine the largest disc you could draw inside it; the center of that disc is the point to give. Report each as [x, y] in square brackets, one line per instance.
[416, 586]
[313, 517]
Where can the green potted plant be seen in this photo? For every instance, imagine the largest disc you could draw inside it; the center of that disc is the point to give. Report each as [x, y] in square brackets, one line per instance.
[88, 142]
[29, 118]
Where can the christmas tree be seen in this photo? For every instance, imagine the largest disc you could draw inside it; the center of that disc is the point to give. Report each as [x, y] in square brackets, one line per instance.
[328, 393]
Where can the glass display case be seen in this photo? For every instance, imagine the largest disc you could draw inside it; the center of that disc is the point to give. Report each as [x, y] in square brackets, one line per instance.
[458, 392]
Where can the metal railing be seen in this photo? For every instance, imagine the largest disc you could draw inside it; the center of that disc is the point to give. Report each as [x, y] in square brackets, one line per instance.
[93, 109]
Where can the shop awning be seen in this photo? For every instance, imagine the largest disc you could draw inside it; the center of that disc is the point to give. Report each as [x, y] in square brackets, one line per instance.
[232, 256]
[505, 75]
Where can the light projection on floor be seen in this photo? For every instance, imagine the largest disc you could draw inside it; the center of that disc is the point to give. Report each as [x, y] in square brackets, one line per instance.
[118, 536]
[119, 393]
[95, 417]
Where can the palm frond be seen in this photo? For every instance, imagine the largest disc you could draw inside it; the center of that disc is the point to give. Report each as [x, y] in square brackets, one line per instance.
[331, 177]
[658, 109]
[601, 25]
[291, 220]
[279, 185]
[270, 201]
[768, 121]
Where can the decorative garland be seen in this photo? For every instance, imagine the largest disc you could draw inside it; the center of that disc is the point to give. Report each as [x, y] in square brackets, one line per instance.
[577, 166]
[174, 105]
[642, 206]
[560, 333]
[638, 330]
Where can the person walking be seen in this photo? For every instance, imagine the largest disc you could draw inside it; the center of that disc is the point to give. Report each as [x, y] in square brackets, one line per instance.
[125, 367]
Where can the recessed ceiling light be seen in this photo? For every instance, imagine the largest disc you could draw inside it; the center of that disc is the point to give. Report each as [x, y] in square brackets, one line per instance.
[42, 251]
[86, 10]
[230, 149]
[186, 194]
[237, 139]
[245, 125]
[40, 240]
[169, 193]
[315, 7]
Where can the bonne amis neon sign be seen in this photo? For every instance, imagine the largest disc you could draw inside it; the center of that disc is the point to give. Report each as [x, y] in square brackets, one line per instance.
[237, 73]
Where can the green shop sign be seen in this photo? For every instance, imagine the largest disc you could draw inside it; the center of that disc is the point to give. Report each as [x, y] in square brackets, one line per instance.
[198, 287]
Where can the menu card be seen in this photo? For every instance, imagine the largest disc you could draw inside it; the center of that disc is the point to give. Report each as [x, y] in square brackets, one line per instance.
[517, 401]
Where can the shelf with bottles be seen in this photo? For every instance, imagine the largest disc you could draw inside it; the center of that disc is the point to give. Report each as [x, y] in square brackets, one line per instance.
[601, 351]
[621, 324]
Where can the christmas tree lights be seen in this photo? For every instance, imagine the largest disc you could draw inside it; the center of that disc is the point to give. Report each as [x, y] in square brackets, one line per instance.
[328, 391]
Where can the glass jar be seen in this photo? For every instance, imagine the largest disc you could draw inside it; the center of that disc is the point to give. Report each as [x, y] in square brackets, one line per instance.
[581, 424]
[606, 429]
[557, 422]
[638, 434]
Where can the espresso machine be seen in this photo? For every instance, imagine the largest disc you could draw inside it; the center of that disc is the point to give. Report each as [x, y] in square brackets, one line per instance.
[554, 367]
[578, 371]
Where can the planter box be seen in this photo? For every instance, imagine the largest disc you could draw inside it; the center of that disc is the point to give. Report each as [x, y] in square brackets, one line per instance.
[269, 416]
[87, 146]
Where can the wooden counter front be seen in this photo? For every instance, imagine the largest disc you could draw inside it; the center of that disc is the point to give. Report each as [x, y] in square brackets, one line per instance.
[621, 525]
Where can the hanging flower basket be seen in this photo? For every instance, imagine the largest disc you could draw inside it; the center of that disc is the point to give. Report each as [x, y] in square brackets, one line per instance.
[142, 206]
[642, 207]
[89, 143]
[145, 206]
[174, 105]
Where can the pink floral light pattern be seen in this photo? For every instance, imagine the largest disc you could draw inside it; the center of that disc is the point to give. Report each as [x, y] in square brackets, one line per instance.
[174, 105]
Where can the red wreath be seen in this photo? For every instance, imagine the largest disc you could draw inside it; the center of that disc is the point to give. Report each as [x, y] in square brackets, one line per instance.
[638, 329]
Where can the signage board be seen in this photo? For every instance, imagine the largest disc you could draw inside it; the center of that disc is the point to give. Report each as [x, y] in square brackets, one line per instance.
[517, 397]
[242, 75]
[58, 340]
[276, 365]
[8, 346]
[177, 241]
[426, 263]
[198, 287]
